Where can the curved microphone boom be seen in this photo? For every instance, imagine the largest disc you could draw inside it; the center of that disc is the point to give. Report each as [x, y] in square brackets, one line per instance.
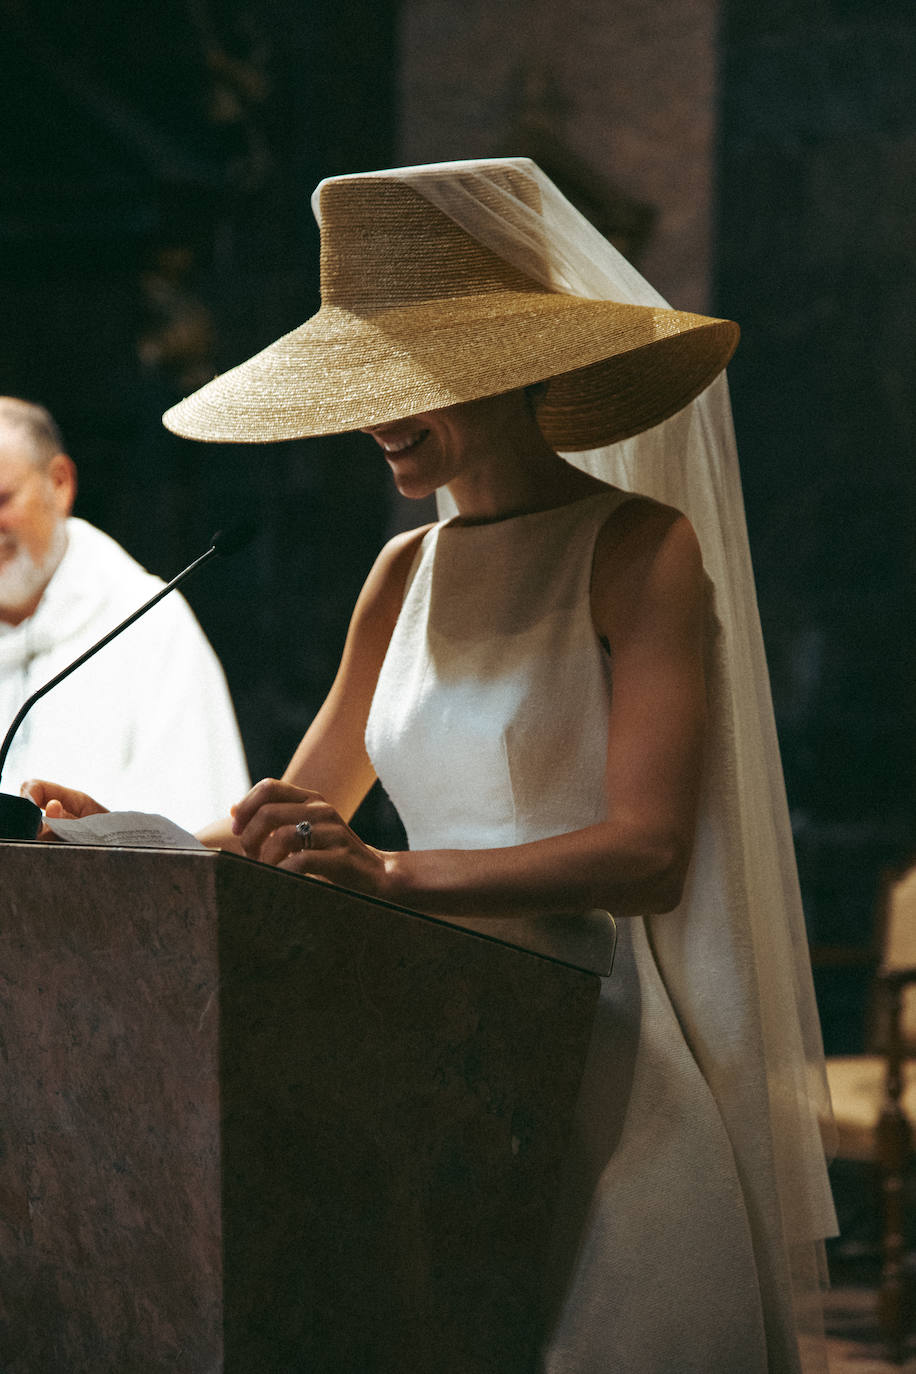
[20, 818]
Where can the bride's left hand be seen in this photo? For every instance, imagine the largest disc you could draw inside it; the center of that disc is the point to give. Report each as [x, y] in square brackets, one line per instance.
[265, 822]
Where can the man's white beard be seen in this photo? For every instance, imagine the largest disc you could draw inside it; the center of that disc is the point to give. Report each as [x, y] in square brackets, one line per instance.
[23, 577]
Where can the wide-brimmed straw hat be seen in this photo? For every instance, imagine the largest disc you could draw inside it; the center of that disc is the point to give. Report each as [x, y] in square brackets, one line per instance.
[416, 314]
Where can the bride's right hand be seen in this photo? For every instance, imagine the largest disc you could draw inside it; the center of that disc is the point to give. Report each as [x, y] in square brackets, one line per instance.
[60, 803]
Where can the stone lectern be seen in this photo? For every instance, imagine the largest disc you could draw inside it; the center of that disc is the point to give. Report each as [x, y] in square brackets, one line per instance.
[250, 1122]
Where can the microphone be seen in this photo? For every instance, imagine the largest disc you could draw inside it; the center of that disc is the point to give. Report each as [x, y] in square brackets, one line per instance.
[20, 818]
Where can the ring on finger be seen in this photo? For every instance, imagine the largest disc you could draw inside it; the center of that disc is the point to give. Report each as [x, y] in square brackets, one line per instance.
[304, 831]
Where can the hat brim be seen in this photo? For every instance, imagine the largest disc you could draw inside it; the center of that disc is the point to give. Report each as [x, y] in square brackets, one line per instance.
[613, 370]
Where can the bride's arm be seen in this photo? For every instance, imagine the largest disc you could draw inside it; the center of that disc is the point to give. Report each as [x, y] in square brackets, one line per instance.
[331, 758]
[649, 603]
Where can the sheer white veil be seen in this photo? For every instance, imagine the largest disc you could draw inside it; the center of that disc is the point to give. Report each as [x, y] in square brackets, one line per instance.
[734, 956]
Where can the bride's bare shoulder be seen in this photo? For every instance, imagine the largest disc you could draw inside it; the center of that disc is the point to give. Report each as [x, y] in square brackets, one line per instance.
[647, 556]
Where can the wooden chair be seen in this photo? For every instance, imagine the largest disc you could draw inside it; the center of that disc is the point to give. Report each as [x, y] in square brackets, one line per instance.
[874, 1098]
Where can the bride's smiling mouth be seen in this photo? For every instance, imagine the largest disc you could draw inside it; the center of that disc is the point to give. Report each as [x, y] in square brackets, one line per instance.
[398, 446]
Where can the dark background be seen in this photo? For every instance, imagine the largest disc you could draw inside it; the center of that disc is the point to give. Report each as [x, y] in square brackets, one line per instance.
[816, 251]
[155, 226]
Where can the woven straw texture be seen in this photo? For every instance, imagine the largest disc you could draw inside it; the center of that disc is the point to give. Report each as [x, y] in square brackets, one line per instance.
[417, 315]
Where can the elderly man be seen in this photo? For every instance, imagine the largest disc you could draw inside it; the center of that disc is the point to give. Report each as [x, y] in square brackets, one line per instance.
[147, 724]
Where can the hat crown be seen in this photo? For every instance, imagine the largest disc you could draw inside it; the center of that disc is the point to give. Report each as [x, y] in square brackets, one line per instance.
[438, 288]
[384, 246]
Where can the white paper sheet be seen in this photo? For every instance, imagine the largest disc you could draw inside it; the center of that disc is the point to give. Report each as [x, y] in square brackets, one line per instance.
[138, 829]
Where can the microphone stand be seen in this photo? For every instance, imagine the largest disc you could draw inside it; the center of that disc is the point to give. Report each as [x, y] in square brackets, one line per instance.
[20, 818]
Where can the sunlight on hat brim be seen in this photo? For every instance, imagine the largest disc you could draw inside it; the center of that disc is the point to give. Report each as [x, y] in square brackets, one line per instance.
[617, 369]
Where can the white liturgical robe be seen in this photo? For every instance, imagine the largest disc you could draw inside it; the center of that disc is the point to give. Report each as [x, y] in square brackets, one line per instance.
[148, 723]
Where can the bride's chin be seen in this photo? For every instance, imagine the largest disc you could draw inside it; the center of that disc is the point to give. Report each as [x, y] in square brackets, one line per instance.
[413, 488]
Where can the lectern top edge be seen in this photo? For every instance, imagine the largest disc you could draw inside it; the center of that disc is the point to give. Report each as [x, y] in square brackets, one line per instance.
[584, 941]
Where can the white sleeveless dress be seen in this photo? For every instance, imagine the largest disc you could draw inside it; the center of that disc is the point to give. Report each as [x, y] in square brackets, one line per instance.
[489, 728]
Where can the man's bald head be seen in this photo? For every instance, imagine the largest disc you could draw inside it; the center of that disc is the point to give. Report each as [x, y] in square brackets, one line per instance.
[37, 488]
[38, 435]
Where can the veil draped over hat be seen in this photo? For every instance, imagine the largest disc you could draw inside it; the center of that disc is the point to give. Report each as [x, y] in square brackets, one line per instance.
[734, 957]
